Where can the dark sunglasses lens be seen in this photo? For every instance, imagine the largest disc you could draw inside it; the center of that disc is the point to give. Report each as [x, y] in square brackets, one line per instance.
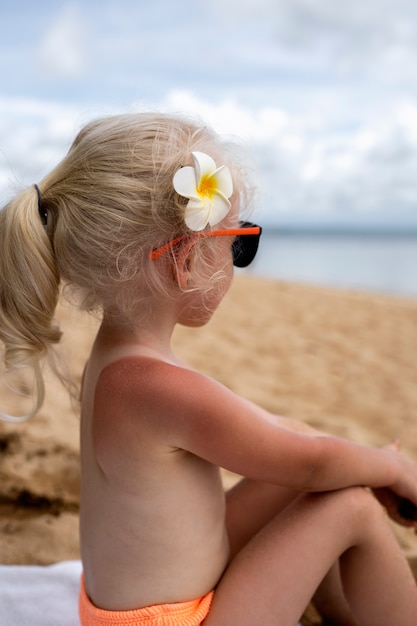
[244, 249]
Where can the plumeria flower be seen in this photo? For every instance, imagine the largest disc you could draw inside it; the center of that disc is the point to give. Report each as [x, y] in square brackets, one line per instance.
[208, 189]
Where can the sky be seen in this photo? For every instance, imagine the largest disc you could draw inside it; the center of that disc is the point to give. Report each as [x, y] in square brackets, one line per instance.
[323, 93]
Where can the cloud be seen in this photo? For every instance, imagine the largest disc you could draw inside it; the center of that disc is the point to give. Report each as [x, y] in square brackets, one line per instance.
[34, 136]
[305, 172]
[355, 39]
[308, 169]
[324, 93]
[228, 116]
[62, 52]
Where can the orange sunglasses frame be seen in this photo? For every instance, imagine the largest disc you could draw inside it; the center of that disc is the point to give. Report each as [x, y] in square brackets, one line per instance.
[231, 232]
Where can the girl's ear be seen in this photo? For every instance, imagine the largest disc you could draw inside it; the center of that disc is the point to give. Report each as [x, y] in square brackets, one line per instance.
[184, 264]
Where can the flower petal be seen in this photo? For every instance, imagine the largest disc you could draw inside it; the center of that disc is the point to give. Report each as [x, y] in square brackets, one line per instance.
[184, 182]
[197, 215]
[224, 181]
[219, 208]
[204, 165]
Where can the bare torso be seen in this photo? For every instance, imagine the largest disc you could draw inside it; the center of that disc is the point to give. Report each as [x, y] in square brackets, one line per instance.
[152, 515]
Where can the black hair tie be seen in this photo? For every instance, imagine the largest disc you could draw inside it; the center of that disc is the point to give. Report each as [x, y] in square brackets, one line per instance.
[43, 213]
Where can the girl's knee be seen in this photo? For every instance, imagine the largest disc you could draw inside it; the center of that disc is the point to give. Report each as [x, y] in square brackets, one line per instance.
[363, 503]
[353, 504]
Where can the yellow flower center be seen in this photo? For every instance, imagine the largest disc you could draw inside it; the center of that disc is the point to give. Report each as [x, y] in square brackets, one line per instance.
[207, 186]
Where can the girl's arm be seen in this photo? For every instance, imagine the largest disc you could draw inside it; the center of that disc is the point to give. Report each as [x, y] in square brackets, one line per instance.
[396, 497]
[190, 411]
[401, 510]
[292, 424]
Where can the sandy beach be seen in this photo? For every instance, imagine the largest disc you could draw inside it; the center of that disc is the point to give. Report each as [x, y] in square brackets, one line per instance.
[344, 362]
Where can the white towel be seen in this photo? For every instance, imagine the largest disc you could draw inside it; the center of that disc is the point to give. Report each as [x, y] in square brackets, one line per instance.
[36, 595]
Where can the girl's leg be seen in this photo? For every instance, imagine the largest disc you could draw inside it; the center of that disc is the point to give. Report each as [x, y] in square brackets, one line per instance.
[271, 580]
[251, 505]
[330, 600]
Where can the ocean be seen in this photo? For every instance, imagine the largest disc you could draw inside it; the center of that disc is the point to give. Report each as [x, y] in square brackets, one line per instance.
[381, 263]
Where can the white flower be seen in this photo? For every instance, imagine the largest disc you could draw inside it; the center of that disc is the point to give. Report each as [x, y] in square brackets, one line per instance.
[207, 188]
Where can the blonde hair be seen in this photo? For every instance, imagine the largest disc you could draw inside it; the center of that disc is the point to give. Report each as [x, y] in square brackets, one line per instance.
[109, 203]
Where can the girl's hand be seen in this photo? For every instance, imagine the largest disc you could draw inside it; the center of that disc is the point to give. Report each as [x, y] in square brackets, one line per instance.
[401, 510]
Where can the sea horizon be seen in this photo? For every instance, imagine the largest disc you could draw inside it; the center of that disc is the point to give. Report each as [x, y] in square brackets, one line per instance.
[370, 258]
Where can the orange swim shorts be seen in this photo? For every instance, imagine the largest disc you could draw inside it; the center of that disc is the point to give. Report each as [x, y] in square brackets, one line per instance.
[190, 613]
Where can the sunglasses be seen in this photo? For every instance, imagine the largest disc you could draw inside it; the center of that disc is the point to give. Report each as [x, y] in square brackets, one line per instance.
[244, 247]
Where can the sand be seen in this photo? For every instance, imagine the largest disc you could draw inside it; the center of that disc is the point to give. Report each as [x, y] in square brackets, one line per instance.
[344, 362]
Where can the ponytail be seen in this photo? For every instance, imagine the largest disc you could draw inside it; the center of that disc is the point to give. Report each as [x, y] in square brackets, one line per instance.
[29, 289]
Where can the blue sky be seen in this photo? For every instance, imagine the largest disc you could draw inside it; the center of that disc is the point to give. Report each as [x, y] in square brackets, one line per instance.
[323, 93]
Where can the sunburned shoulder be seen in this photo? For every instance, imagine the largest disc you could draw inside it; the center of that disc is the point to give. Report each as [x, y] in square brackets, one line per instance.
[139, 375]
[149, 388]
[159, 408]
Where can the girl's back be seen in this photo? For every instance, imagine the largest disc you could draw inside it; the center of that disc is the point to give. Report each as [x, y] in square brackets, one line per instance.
[166, 504]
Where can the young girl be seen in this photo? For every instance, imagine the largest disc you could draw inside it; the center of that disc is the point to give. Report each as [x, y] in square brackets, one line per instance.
[142, 218]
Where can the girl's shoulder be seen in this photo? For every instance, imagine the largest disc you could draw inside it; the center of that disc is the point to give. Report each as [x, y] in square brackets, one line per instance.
[148, 387]
[152, 405]
[140, 375]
